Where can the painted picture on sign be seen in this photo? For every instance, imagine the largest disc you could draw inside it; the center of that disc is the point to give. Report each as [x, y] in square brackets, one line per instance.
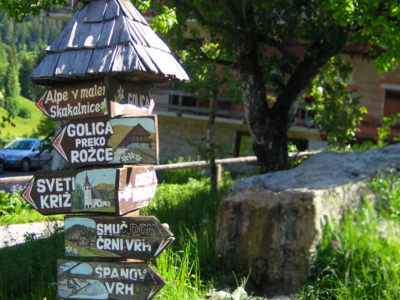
[133, 143]
[76, 287]
[94, 191]
[81, 239]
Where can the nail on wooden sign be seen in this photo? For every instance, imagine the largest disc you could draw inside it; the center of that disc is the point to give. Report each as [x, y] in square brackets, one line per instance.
[116, 191]
[92, 99]
[109, 141]
[141, 237]
[93, 280]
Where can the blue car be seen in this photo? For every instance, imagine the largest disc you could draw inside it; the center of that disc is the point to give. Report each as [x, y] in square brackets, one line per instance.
[25, 154]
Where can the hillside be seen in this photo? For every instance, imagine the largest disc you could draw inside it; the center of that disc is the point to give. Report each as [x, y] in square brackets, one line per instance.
[23, 127]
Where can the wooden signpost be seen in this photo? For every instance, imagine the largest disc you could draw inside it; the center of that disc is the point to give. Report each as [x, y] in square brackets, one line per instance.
[107, 280]
[108, 190]
[99, 98]
[105, 141]
[88, 65]
[142, 237]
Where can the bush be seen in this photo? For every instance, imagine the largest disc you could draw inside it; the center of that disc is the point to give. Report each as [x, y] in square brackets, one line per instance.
[13, 203]
[181, 175]
[24, 113]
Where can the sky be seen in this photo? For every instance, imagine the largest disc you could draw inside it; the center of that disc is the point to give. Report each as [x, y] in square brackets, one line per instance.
[97, 176]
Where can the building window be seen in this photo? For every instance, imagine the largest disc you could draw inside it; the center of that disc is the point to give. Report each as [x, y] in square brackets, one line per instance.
[392, 103]
[174, 100]
[188, 101]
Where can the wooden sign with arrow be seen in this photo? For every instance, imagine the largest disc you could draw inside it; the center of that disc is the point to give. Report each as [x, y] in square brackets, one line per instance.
[141, 237]
[92, 99]
[116, 191]
[109, 141]
[93, 280]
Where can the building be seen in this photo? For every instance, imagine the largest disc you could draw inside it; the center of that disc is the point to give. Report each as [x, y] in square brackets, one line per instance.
[182, 117]
[93, 197]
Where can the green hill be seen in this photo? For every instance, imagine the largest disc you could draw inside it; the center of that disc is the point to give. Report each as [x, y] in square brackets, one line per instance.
[23, 127]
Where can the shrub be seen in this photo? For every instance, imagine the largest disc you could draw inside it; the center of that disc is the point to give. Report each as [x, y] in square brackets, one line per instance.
[181, 175]
[24, 113]
[12, 203]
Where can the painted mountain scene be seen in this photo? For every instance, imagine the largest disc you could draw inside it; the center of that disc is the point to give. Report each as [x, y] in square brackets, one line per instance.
[134, 142]
[94, 191]
[80, 239]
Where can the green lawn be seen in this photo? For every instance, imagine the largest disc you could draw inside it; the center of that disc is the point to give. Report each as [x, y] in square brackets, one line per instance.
[23, 127]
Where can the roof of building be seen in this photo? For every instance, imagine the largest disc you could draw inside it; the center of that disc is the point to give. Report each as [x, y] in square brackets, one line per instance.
[108, 37]
[96, 194]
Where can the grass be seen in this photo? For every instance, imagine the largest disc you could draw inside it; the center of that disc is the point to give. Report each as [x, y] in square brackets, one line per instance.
[189, 265]
[24, 127]
[358, 258]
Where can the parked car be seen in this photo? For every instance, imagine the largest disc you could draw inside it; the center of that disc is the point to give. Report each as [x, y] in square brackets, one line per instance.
[2, 166]
[24, 154]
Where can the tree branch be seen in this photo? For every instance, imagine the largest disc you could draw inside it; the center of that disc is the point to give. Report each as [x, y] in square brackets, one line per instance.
[202, 20]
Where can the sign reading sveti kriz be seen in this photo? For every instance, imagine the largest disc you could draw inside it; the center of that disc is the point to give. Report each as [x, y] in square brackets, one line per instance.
[98, 98]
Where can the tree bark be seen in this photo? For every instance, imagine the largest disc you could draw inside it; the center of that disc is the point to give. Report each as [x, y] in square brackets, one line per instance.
[210, 141]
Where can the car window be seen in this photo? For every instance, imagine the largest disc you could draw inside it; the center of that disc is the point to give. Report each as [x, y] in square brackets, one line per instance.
[20, 145]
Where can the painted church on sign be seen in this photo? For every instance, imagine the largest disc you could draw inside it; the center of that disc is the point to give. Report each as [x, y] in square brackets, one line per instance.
[93, 197]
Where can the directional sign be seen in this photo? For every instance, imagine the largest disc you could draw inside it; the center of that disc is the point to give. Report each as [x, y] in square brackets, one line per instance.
[97, 98]
[105, 141]
[93, 280]
[116, 191]
[142, 237]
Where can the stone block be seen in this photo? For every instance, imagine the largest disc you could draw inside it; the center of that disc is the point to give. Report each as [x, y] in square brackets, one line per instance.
[270, 223]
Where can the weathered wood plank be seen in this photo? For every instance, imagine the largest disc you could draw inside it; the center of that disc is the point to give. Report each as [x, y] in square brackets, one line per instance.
[146, 59]
[120, 34]
[93, 280]
[112, 10]
[137, 15]
[93, 35]
[55, 44]
[101, 61]
[125, 9]
[96, 11]
[78, 32]
[65, 63]
[62, 192]
[161, 60]
[143, 238]
[65, 35]
[136, 37]
[180, 73]
[138, 32]
[106, 34]
[82, 59]
[47, 66]
[152, 39]
[112, 141]
[126, 59]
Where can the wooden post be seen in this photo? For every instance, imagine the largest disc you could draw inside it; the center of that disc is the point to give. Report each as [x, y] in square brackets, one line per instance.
[219, 175]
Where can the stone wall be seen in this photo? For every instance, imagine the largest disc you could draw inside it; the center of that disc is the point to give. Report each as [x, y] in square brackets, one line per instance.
[174, 131]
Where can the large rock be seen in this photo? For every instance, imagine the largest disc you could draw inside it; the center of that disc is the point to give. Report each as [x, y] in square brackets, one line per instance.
[269, 223]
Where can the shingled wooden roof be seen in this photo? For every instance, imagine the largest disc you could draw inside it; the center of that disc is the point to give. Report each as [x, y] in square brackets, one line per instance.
[108, 37]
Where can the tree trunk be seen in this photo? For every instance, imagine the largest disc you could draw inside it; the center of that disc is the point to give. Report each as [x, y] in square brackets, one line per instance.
[210, 141]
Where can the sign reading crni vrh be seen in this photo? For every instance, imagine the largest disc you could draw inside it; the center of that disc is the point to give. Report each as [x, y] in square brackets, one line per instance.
[107, 190]
[109, 141]
[92, 99]
[142, 237]
[93, 280]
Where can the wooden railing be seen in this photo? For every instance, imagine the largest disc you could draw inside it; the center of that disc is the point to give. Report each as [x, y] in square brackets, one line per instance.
[193, 164]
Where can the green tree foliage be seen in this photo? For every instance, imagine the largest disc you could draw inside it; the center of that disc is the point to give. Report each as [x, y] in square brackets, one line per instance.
[335, 109]
[78, 197]
[208, 82]
[248, 29]
[26, 68]
[11, 84]
[3, 65]
[45, 127]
